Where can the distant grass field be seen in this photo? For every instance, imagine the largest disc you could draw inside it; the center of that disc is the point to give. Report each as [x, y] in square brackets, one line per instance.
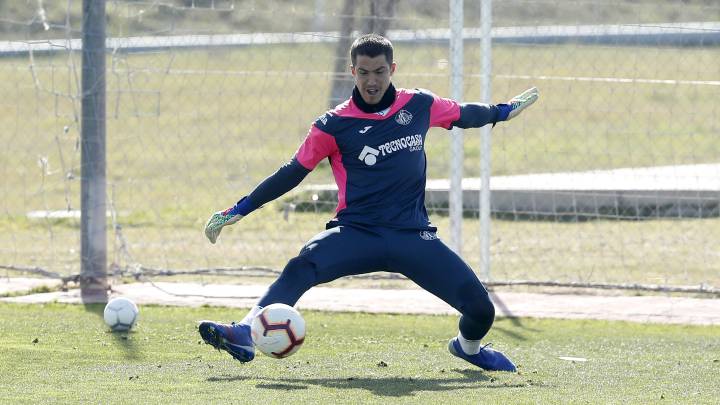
[65, 354]
[190, 132]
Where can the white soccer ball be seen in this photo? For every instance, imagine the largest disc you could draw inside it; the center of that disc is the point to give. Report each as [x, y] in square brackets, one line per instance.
[120, 314]
[278, 330]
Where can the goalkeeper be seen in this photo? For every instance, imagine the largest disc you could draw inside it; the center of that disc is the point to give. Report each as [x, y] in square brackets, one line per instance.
[374, 142]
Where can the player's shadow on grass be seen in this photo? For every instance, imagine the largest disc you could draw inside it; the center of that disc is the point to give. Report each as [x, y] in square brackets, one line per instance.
[512, 318]
[123, 340]
[511, 333]
[282, 387]
[386, 386]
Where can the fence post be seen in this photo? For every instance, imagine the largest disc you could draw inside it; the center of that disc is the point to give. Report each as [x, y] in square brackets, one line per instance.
[342, 81]
[93, 250]
[457, 156]
[486, 84]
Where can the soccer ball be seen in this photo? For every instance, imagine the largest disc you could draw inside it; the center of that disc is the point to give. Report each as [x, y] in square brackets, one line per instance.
[278, 330]
[120, 314]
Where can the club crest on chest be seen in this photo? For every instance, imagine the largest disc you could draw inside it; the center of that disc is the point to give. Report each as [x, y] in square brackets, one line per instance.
[403, 117]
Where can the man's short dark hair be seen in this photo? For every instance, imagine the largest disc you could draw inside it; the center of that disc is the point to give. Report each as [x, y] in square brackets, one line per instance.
[372, 45]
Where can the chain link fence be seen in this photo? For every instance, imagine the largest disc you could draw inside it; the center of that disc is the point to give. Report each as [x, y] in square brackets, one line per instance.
[612, 178]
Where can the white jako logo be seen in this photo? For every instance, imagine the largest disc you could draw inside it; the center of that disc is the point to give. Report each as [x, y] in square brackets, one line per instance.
[403, 117]
[369, 155]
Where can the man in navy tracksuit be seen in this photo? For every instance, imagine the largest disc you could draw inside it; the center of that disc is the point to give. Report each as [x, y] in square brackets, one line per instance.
[375, 144]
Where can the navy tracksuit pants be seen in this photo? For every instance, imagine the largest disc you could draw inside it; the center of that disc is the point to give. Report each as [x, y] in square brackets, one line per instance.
[419, 255]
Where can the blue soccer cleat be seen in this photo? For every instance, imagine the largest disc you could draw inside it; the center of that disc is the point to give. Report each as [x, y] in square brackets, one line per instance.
[234, 339]
[487, 359]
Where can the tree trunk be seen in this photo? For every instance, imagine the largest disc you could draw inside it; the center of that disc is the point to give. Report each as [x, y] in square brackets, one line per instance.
[342, 79]
[381, 13]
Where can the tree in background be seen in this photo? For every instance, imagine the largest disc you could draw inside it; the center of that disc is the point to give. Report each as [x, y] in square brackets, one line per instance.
[377, 21]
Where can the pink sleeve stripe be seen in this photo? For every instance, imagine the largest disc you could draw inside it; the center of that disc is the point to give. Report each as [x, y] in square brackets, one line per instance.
[444, 112]
[340, 174]
[317, 146]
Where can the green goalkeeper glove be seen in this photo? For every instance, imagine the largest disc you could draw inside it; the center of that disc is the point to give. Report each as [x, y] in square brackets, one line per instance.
[219, 220]
[522, 101]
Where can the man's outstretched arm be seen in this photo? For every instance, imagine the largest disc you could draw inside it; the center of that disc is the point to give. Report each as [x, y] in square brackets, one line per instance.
[476, 115]
[283, 180]
[317, 146]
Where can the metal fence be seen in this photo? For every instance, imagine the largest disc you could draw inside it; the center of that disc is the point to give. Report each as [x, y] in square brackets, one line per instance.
[612, 179]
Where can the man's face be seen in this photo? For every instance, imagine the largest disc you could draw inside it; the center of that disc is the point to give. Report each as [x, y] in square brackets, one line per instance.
[372, 76]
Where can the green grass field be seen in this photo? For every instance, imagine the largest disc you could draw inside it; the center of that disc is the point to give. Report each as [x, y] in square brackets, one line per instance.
[64, 354]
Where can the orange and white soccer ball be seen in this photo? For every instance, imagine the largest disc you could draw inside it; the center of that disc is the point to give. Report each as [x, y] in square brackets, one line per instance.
[278, 330]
